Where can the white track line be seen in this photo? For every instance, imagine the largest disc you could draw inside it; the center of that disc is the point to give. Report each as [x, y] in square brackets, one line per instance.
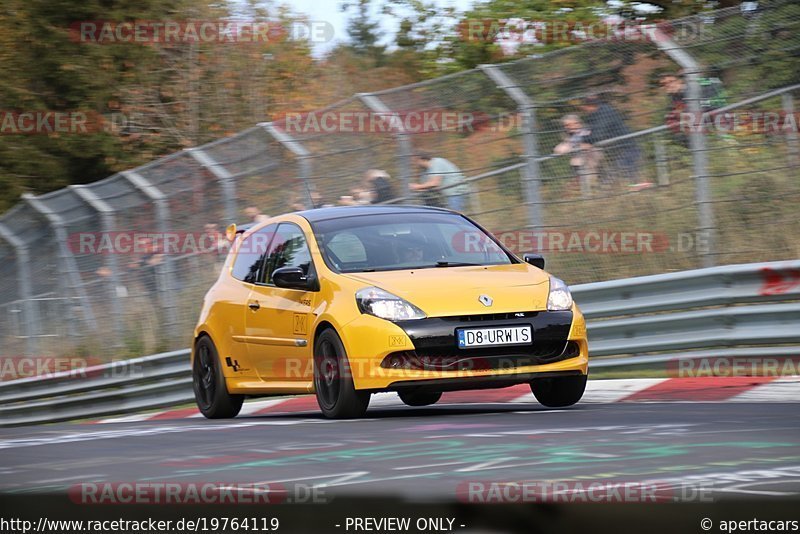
[249, 408]
[783, 389]
[129, 418]
[606, 391]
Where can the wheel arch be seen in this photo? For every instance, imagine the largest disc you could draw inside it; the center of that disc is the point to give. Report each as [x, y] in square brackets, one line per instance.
[201, 333]
[323, 325]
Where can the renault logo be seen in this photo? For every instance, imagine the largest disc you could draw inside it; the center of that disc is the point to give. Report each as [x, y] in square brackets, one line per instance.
[486, 300]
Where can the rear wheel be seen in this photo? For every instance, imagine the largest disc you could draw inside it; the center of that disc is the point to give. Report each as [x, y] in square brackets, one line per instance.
[210, 391]
[559, 391]
[333, 381]
[420, 398]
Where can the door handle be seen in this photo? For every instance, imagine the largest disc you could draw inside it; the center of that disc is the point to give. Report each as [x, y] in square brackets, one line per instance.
[254, 305]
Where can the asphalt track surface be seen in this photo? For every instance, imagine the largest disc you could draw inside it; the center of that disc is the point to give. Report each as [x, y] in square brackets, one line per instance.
[731, 450]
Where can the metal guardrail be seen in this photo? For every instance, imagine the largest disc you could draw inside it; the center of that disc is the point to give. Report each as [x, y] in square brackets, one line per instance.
[654, 319]
[733, 311]
[146, 383]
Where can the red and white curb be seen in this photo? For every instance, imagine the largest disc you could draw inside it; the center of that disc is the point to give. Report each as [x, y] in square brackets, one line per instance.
[712, 389]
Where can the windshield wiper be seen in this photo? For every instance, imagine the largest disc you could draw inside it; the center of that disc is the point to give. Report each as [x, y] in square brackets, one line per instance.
[456, 264]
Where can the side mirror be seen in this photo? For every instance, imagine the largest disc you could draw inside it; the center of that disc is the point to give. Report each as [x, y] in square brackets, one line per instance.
[292, 278]
[537, 260]
[230, 232]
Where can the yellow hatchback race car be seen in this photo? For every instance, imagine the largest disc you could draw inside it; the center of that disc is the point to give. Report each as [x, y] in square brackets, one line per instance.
[345, 302]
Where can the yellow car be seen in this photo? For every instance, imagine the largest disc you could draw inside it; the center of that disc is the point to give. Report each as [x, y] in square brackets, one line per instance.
[348, 301]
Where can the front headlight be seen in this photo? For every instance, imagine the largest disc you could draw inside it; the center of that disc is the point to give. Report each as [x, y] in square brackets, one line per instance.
[375, 301]
[560, 298]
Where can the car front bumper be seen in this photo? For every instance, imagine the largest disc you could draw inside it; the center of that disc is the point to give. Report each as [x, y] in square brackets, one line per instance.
[391, 356]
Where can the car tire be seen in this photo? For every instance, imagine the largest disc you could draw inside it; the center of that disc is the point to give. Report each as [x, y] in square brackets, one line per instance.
[333, 382]
[420, 398]
[210, 392]
[559, 391]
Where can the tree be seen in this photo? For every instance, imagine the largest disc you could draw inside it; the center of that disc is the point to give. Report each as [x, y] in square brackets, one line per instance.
[363, 30]
[149, 99]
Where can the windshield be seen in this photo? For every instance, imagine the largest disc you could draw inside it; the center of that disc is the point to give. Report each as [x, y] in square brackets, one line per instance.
[386, 242]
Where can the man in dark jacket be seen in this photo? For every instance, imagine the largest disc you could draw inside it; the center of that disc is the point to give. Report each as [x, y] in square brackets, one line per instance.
[622, 158]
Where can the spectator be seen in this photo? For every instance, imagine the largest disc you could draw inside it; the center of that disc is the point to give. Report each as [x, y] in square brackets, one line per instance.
[442, 177]
[712, 93]
[298, 201]
[142, 266]
[675, 89]
[255, 215]
[585, 158]
[357, 197]
[376, 189]
[604, 122]
[377, 182]
[712, 96]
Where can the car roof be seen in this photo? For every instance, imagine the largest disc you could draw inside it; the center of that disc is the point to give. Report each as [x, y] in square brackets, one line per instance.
[338, 212]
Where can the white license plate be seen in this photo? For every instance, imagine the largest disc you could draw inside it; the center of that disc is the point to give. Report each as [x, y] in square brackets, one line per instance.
[494, 337]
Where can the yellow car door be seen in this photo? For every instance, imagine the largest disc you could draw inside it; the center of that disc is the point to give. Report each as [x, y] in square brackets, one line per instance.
[279, 319]
[233, 297]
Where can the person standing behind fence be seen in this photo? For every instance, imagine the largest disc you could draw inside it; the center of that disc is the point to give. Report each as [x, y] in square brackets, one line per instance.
[444, 177]
[712, 96]
[585, 158]
[604, 122]
[376, 189]
[377, 182]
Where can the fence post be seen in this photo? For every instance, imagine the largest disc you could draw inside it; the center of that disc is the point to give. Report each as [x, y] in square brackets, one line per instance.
[662, 168]
[25, 293]
[300, 152]
[697, 142]
[793, 147]
[166, 269]
[405, 151]
[67, 259]
[225, 179]
[108, 222]
[531, 171]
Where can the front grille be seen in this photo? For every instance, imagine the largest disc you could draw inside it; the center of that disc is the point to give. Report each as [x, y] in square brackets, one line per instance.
[436, 347]
[489, 317]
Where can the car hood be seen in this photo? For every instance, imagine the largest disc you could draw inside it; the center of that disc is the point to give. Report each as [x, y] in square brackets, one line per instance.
[449, 291]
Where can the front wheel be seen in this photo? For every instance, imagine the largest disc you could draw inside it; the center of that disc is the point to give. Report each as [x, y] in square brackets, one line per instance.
[210, 391]
[559, 391]
[333, 382]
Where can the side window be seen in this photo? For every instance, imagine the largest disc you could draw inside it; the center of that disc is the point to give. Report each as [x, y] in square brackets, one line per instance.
[348, 248]
[289, 249]
[249, 263]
